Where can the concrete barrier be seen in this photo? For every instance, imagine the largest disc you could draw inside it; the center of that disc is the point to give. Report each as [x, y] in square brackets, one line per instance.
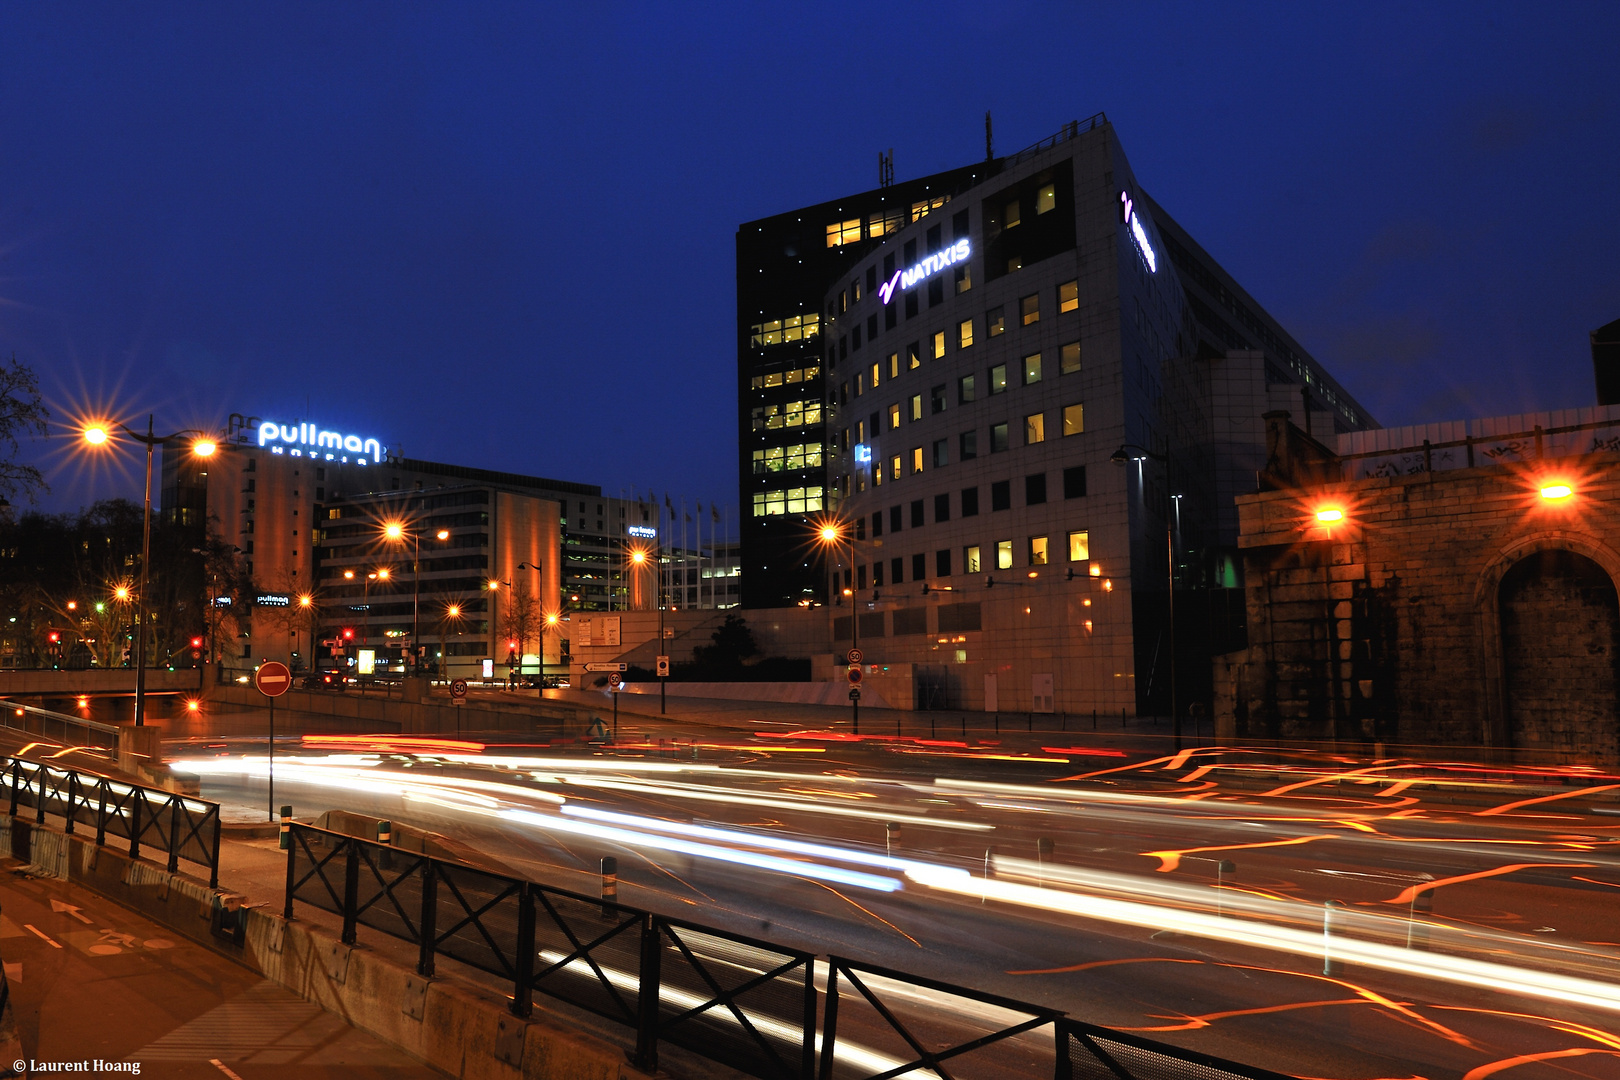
[460, 1028]
[554, 719]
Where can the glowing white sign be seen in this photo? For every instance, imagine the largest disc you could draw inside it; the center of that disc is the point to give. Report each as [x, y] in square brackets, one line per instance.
[863, 453]
[905, 279]
[1127, 217]
[307, 438]
[646, 532]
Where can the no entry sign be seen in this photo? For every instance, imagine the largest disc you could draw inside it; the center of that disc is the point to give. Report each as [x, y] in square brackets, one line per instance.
[273, 678]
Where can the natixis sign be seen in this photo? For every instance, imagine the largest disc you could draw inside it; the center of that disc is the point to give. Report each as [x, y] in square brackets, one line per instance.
[1128, 217]
[310, 440]
[939, 260]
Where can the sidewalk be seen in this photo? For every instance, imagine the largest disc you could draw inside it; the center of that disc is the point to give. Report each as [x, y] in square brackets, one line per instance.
[91, 980]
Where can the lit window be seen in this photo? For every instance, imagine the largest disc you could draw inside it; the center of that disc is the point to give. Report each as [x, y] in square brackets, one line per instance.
[964, 277]
[860, 383]
[913, 356]
[877, 369]
[894, 417]
[840, 233]
[781, 331]
[1003, 554]
[1015, 263]
[1080, 546]
[1045, 199]
[920, 210]
[1029, 309]
[1074, 419]
[1012, 215]
[995, 322]
[964, 334]
[915, 407]
[1068, 296]
[916, 460]
[885, 222]
[1037, 551]
[1034, 429]
[775, 378]
[939, 345]
[1069, 358]
[998, 379]
[1032, 368]
[855, 291]
[970, 559]
[894, 468]
[894, 365]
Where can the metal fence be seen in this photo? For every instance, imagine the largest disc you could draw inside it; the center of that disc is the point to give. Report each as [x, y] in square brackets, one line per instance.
[749, 1004]
[33, 720]
[182, 826]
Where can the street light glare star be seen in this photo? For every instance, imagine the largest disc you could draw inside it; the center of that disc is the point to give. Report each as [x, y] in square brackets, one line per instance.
[829, 533]
[444, 534]
[204, 447]
[95, 435]
[393, 530]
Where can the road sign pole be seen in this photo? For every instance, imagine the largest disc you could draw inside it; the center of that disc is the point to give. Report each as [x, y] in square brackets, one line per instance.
[615, 715]
[271, 807]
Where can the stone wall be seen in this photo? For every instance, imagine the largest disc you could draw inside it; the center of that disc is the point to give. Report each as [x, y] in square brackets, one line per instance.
[1393, 624]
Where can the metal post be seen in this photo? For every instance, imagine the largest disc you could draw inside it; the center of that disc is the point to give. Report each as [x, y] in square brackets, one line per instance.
[807, 1059]
[610, 886]
[101, 810]
[140, 595]
[1417, 926]
[270, 806]
[351, 890]
[1222, 869]
[292, 852]
[646, 1058]
[663, 681]
[213, 866]
[72, 801]
[174, 833]
[523, 962]
[286, 827]
[829, 1021]
[16, 781]
[1330, 966]
[428, 927]
[136, 798]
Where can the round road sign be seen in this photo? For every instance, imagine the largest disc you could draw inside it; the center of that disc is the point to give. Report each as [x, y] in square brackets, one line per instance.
[614, 679]
[854, 674]
[458, 688]
[856, 656]
[273, 678]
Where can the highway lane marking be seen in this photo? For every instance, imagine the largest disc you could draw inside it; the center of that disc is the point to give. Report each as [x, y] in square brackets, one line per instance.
[43, 936]
[222, 1067]
[58, 907]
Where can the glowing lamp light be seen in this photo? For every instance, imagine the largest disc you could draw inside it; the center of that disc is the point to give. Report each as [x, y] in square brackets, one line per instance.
[393, 530]
[551, 620]
[1557, 491]
[204, 447]
[443, 534]
[305, 600]
[1330, 515]
[453, 611]
[829, 533]
[638, 557]
[121, 593]
[73, 605]
[384, 573]
[84, 702]
[95, 435]
[349, 574]
[192, 705]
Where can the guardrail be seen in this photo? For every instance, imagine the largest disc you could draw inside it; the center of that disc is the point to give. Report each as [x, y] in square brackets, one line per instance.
[182, 826]
[746, 1003]
[95, 733]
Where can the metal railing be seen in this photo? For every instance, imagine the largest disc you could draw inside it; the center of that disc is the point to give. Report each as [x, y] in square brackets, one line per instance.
[182, 826]
[92, 732]
[1512, 446]
[746, 1003]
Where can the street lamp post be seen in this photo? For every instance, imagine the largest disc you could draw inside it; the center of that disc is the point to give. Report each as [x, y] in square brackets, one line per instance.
[202, 446]
[1120, 457]
[395, 530]
[545, 621]
[832, 535]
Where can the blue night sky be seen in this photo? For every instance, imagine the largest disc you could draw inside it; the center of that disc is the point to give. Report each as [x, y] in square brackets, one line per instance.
[503, 235]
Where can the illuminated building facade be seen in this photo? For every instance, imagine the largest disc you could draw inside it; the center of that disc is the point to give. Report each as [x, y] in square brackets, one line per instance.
[984, 366]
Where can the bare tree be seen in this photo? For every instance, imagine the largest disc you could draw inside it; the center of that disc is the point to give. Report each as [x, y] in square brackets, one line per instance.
[21, 413]
[522, 617]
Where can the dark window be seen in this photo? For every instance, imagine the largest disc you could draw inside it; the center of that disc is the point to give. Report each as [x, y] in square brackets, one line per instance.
[877, 574]
[935, 238]
[959, 225]
[942, 453]
[855, 337]
[936, 399]
[1001, 495]
[1035, 489]
[843, 348]
[320, 494]
[970, 502]
[998, 379]
[1074, 482]
[871, 327]
[911, 304]
[966, 389]
[998, 437]
[871, 278]
[872, 426]
[942, 563]
[894, 519]
[942, 506]
[877, 523]
[860, 578]
[910, 252]
[968, 442]
[891, 317]
[916, 513]
[936, 291]
[919, 566]
[911, 620]
[888, 266]
[860, 528]
[897, 570]
[320, 473]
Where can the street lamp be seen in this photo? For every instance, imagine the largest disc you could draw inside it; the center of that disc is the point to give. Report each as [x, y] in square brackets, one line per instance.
[540, 673]
[306, 603]
[451, 611]
[833, 534]
[397, 531]
[1120, 457]
[202, 446]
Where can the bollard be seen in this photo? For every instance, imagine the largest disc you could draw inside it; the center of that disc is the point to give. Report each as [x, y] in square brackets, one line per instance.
[610, 885]
[1417, 925]
[286, 827]
[891, 838]
[385, 837]
[1122, 719]
[1043, 854]
[1330, 966]
[989, 866]
[1093, 719]
[1223, 870]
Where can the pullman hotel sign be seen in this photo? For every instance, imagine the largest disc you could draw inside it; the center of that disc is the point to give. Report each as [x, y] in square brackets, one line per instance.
[307, 440]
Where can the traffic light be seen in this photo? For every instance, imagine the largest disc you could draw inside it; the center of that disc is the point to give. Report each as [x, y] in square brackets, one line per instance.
[348, 633]
[54, 637]
[196, 648]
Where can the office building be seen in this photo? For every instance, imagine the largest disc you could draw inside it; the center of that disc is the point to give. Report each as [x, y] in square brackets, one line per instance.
[1041, 397]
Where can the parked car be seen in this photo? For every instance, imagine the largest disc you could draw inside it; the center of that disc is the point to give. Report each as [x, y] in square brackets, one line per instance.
[327, 679]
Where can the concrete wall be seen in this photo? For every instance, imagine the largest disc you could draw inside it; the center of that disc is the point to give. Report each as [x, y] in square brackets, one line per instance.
[1389, 626]
[393, 715]
[95, 681]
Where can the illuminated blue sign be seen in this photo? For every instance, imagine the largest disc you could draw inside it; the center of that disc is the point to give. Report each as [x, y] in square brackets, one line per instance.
[863, 453]
[905, 279]
[646, 532]
[307, 439]
[1128, 218]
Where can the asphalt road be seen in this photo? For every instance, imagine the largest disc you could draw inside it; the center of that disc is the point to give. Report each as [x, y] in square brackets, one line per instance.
[1120, 921]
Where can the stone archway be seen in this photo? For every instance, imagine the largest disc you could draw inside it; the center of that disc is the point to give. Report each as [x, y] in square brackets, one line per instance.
[1560, 637]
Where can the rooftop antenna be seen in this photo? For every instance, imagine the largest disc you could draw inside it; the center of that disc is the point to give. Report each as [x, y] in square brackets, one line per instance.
[886, 168]
[989, 152]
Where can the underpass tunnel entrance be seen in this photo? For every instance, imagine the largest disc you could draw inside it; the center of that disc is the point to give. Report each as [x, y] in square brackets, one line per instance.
[1561, 655]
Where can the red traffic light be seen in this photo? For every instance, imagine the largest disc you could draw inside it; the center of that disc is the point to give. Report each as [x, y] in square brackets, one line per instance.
[54, 636]
[348, 633]
[196, 643]
[511, 645]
